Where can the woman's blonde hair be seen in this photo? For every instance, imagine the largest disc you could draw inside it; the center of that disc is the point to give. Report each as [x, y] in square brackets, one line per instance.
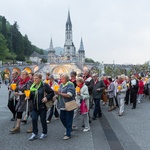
[24, 71]
[80, 79]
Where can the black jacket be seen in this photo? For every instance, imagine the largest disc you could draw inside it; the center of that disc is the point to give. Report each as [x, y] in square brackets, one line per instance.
[99, 85]
[37, 100]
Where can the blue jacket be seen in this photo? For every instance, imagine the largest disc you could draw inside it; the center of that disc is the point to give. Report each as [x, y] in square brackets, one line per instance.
[68, 88]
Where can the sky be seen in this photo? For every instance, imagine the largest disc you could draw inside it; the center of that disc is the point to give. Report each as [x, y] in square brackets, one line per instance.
[112, 30]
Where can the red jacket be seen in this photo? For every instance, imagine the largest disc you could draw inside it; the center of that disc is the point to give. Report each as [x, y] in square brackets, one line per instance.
[141, 87]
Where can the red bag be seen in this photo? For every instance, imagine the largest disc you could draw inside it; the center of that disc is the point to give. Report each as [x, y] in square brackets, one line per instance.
[83, 107]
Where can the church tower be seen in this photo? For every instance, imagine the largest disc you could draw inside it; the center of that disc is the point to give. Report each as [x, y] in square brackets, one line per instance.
[69, 48]
[51, 53]
[81, 53]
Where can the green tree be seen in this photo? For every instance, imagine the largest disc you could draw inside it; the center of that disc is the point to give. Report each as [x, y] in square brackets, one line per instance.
[4, 52]
[20, 57]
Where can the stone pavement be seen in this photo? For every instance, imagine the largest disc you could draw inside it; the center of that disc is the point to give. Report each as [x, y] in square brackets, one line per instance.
[111, 132]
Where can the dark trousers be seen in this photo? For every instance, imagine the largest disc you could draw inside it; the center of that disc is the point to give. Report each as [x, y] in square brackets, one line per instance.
[133, 96]
[54, 111]
[66, 118]
[12, 107]
[97, 108]
[42, 114]
[127, 97]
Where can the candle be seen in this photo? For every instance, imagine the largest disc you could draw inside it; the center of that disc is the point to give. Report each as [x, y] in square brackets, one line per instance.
[13, 86]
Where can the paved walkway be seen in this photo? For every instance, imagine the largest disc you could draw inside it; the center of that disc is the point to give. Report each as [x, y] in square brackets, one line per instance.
[111, 132]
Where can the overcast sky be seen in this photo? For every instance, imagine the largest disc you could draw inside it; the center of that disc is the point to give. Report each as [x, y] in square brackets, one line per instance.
[116, 30]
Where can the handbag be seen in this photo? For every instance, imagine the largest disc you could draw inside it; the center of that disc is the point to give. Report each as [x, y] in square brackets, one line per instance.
[83, 107]
[71, 105]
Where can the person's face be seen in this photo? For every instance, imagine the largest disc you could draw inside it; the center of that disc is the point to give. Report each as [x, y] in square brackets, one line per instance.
[36, 79]
[78, 83]
[63, 80]
[85, 72]
[24, 75]
[30, 75]
[72, 76]
[51, 79]
[94, 78]
[14, 75]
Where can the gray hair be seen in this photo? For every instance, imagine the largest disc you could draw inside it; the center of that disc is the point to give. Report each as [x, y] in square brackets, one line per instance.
[66, 76]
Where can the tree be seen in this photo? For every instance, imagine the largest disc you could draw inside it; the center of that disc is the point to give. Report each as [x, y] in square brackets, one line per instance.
[89, 60]
[20, 57]
[3, 30]
[4, 52]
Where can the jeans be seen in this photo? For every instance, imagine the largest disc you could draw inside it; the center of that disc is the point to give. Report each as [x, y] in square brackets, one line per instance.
[42, 114]
[66, 118]
[54, 111]
[97, 108]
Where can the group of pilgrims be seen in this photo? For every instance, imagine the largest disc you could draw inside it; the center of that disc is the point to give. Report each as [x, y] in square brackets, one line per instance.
[32, 96]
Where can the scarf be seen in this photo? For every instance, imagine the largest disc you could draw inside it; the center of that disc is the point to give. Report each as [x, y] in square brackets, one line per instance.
[33, 87]
[15, 79]
[81, 85]
[23, 81]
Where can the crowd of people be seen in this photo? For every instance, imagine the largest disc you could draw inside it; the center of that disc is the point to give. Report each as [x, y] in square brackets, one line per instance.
[88, 90]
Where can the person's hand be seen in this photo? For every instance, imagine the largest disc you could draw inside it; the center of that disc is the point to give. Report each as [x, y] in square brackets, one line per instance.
[44, 100]
[98, 89]
[78, 93]
[26, 98]
[15, 93]
[55, 98]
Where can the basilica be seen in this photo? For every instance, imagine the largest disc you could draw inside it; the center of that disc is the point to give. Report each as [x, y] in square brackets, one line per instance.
[69, 53]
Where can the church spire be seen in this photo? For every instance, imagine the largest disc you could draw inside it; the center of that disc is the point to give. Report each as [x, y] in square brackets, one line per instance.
[68, 23]
[81, 46]
[51, 46]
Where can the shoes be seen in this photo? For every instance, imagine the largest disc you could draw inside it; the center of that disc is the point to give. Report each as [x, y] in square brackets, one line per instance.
[24, 121]
[43, 136]
[15, 130]
[29, 130]
[120, 114]
[33, 137]
[48, 121]
[133, 107]
[13, 119]
[86, 129]
[94, 118]
[66, 137]
[83, 126]
[74, 127]
[110, 110]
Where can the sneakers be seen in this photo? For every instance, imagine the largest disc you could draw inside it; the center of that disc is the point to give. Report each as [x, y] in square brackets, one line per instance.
[86, 129]
[15, 130]
[48, 121]
[43, 136]
[66, 137]
[33, 137]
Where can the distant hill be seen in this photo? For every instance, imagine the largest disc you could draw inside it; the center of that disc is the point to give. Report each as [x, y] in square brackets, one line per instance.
[58, 50]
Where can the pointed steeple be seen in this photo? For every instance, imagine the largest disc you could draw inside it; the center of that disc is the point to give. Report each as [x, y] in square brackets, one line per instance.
[51, 46]
[68, 23]
[81, 46]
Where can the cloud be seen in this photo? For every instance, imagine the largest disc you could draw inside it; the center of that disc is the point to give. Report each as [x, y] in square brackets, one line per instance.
[112, 30]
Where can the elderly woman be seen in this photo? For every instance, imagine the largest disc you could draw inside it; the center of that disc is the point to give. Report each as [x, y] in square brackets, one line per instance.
[40, 94]
[66, 93]
[121, 92]
[83, 94]
[24, 84]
